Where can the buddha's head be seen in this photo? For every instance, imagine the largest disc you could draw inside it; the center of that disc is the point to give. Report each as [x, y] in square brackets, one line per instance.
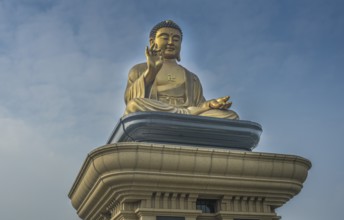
[167, 36]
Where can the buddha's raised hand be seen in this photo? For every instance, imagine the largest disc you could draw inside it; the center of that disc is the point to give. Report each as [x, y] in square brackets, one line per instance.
[154, 62]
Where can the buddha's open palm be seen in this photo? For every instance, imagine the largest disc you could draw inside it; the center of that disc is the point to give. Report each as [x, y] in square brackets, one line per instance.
[154, 62]
[220, 103]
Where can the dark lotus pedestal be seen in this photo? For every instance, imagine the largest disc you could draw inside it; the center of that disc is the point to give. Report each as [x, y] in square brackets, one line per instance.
[178, 129]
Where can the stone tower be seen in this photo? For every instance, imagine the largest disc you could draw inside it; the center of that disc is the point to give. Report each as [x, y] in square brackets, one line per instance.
[163, 166]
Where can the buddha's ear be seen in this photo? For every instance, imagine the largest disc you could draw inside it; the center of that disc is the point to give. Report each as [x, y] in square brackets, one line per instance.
[151, 41]
[178, 55]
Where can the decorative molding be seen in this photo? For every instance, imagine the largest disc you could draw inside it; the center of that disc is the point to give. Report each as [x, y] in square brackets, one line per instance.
[173, 177]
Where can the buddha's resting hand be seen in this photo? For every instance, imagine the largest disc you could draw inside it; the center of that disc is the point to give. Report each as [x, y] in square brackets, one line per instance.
[220, 103]
[154, 63]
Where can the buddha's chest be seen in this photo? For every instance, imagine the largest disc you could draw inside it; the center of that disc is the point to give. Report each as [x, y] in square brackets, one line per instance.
[170, 75]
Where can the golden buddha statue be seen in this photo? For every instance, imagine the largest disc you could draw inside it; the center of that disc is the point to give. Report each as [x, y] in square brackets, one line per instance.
[161, 84]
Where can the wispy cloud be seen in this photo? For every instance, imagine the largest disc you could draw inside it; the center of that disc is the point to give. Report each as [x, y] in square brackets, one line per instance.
[63, 70]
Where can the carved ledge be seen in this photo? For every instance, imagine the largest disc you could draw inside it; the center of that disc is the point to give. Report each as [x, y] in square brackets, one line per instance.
[131, 172]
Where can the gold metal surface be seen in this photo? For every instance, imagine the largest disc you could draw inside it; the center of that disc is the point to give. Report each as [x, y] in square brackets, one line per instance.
[161, 84]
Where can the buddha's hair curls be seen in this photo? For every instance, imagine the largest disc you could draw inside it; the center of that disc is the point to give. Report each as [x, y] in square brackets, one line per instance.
[168, 24]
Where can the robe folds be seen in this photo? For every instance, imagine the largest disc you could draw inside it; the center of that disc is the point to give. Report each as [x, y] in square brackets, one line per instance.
[140, 97]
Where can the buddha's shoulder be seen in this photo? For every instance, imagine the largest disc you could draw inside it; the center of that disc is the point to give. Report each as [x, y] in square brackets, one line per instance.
[190, 74]
[138, 68]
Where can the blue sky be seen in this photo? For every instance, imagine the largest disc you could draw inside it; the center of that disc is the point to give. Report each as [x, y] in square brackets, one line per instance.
[63, 70]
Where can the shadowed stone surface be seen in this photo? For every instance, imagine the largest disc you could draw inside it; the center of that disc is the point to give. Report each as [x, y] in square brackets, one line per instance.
[169, 128]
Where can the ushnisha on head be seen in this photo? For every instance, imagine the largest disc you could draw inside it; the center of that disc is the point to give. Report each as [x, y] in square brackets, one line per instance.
[167, 36]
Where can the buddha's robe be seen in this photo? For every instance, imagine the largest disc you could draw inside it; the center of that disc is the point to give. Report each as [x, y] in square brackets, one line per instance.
[173, 90]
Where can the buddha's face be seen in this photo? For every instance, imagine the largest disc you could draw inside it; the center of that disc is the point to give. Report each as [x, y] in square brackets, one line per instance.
[168, 40]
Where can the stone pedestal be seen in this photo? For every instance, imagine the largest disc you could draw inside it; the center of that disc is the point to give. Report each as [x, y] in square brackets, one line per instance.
[167, 128]
[161, 181]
